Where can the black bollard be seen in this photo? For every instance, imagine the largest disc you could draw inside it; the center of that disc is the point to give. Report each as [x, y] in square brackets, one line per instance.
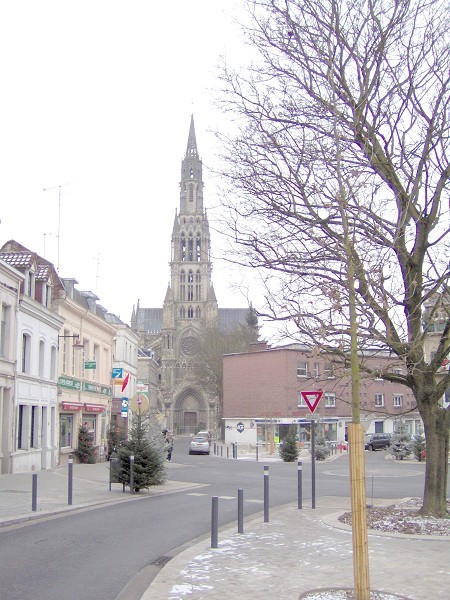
[34, 493]
[266, 494]
[214, 521]
[240, 510]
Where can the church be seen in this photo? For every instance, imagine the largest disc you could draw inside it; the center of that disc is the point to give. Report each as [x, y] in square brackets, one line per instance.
[172, 334]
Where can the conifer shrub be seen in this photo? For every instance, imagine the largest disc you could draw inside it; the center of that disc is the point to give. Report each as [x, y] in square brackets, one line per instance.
[288, 450]
[85, 452]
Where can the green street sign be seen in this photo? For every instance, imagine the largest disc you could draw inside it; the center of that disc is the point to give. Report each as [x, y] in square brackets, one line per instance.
[90, 364]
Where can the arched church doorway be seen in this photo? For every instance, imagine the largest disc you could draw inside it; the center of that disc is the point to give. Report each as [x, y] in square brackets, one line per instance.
[190, 414]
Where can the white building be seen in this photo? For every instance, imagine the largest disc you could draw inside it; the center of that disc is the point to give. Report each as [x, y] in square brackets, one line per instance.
[34, 443]
[10, 282]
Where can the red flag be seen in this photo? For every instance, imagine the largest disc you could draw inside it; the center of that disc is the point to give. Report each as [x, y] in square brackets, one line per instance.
[125, 382]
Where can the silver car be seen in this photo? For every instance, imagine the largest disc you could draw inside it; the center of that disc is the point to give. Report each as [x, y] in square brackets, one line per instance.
[199, 445]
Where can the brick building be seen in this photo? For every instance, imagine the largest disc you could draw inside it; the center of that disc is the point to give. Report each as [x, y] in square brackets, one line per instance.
[262, 395]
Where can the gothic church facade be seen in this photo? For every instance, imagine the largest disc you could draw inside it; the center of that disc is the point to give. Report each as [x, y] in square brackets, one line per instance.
[172, 333]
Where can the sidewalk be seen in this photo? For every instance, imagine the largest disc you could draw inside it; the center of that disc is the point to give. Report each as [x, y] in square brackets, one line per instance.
[299, 551]
[296, 552]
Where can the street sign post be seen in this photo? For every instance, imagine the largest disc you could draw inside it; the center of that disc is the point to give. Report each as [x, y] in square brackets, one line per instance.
[312, 400]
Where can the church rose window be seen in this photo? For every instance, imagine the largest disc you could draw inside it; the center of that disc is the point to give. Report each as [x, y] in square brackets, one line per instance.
[190, 345]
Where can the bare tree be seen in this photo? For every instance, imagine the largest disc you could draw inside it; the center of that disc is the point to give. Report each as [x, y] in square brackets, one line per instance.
[341, 150]
[207, 370]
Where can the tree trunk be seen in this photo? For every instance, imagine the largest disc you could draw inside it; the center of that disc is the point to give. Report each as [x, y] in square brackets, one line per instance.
[436, 424]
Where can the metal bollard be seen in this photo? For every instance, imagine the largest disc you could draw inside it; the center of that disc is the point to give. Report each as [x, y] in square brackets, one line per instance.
[240, 510]
[70, 482]
[256, 451]
[34, 493]
[131, 473]
[266, 494]
[299, 483]
[214, 521]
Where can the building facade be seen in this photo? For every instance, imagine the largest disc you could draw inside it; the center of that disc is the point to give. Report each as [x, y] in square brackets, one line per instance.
[172, 333]
[263, 396]
[10, 283]
[33, 437]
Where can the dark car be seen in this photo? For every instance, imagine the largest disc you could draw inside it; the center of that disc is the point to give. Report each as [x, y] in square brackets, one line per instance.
[377, 441]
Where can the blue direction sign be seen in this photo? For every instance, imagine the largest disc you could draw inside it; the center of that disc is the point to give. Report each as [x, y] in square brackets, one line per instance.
[124, 412]
[117, 373]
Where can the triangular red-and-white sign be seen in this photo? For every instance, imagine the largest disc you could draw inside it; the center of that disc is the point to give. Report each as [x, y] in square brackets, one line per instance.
[312, 399]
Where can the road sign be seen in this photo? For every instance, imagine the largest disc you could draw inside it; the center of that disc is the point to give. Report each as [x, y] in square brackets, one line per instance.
[117, 373]
[124, 412]
[90, 364]
[312, 399]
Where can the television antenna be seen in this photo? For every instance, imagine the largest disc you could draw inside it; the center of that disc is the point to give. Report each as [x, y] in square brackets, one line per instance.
[58, 235]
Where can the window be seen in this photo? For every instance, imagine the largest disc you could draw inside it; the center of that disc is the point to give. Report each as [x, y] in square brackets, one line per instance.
[379, 399]
[34, 438]
[30, 288]
[3, 329]
[182, 312]
[330, 399]
[190, 287]
[183, 247]
[329, 370]
[53, 363]
[198, 287]
[26, 350]
[41, 358]
[65, 430]
[198, 248]
[182, 286]
[300, 400]
[190, 313]
[64, 353]
[397, 371]
[398, 399]
[20, 427]
[302, 369]
[378, 374]
[198, 312]
[316, 370]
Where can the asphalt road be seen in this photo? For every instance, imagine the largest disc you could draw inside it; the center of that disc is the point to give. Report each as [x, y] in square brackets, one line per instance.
[114, 551]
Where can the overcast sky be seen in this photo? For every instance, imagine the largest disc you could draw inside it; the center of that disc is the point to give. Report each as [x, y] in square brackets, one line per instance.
[96, 98]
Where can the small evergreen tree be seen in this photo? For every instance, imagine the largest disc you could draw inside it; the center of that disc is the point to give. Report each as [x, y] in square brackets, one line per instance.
[288, 450]
[115, 438]
[321, 450]
[146, 444]
[418, 446]
[401, 445]
[85, 452]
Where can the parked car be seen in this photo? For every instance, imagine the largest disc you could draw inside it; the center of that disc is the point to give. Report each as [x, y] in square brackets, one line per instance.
[205, 434]
[199, 445]
[377, 441]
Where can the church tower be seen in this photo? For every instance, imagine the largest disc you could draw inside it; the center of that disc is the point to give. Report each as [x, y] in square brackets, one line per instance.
[171, 335]
[190, 304]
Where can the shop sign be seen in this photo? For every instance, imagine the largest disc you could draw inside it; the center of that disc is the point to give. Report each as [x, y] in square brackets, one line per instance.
[141, 386]
[96, 388]
[69, 383]
[73, 406]
[95, 408]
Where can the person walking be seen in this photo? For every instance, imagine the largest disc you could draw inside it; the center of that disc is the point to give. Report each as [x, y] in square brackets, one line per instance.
[169, 444]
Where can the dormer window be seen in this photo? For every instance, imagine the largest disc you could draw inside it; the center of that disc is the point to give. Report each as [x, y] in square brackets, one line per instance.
[30, 284]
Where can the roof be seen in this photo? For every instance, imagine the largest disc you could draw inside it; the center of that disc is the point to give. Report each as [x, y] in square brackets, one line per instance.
[149, 320]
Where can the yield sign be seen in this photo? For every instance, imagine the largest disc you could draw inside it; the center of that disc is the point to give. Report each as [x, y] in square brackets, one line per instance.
[312, 399]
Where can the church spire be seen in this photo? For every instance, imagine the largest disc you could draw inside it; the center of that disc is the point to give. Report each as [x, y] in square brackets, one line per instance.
[191, 149]
[191, 185]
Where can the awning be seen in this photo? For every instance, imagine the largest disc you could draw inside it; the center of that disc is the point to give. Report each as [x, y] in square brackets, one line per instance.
[95, 408]
[71, 406]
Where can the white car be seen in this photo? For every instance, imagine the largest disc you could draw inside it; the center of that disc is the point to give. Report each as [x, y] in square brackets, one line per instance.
[199, 445]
